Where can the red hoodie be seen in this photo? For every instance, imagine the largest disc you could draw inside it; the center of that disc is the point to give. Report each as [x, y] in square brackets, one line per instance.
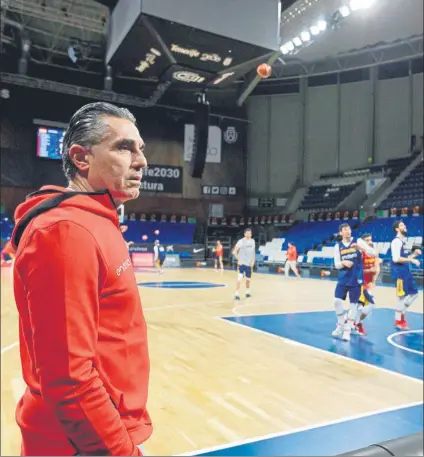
[83, 339]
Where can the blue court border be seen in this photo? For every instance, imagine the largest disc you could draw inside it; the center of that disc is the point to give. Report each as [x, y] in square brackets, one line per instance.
[334, 438]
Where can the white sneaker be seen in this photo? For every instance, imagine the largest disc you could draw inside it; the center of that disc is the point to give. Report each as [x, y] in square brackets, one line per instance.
[338, 332]
[248, 295]
[346, 335]
[236, 297]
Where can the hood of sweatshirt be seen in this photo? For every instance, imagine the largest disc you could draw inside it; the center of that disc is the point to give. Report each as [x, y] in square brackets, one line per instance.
[49, 197]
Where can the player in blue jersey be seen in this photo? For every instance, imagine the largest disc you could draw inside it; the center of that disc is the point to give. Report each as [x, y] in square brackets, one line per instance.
[348, 260]
[159, 256]
[406, 287]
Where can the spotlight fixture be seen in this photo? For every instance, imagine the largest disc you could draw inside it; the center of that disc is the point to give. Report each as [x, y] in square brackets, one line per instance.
[322, 25]
[314, 30]
[297, 41]
[305, 36]
[344, 11]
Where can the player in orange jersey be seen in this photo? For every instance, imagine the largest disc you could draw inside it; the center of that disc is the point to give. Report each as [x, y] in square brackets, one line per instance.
[219, 253]
[7, 253]
[371, 270]
[291, 261]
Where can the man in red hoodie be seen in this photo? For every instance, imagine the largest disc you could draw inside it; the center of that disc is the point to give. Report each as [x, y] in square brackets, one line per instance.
[83, 339]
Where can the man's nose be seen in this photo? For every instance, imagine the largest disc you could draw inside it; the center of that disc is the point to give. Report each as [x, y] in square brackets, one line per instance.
[140, 160]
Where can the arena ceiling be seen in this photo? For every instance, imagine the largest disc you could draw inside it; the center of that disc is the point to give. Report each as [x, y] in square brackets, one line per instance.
[57, 29]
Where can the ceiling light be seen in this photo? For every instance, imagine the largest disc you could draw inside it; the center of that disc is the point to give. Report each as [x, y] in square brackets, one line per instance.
[314, 30]
[344, 11]
[322, 25]
[305, 36]
[284, 49]
[297, 41]
[290, 45]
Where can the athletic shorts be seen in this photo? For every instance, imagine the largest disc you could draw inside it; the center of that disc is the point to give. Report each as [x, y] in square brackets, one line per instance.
[246, 271]
[357, 294]
[405, 284]
[160, 261]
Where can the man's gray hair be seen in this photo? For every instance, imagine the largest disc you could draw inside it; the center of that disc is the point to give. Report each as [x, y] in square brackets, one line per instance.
[87, 128]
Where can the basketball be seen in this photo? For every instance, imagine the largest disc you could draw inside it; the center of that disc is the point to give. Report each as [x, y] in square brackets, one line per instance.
[264, 70]
[156, 232]
[144, 237]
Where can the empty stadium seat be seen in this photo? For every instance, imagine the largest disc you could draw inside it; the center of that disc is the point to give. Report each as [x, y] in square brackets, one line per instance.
[409, 192]
[326, 197]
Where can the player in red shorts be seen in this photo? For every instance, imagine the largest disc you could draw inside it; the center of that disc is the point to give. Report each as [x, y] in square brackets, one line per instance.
[371, 270]
[219, 252]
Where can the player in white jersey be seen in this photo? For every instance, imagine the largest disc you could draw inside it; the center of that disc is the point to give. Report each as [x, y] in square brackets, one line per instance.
[244, 252]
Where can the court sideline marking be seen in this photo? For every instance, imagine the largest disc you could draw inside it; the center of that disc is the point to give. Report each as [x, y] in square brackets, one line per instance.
[300, 429]
[404, 348]
[8, 348]
[341, 356]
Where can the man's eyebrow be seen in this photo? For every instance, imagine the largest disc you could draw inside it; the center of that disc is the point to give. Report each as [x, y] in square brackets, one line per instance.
[129, 142]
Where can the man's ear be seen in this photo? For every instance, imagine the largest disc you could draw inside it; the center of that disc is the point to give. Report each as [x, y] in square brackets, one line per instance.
[80, 157]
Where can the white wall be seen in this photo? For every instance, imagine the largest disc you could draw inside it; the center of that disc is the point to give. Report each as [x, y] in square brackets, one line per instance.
[392, 121]
[321, 131]
[355, 124]
[417, 105]
[274, 144]
[257, 151]
[284, 142]
[338, 130]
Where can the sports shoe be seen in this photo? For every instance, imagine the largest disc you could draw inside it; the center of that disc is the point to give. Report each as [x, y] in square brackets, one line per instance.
[346, 335]
[401, 325]
[338, 332]
[360, 329]
[236, 297]
[248, 295]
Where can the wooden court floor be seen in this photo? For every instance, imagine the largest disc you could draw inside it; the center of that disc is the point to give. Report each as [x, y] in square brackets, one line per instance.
[214, 383]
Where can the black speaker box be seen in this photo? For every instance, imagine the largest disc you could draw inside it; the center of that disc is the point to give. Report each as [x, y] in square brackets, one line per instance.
[200, 143]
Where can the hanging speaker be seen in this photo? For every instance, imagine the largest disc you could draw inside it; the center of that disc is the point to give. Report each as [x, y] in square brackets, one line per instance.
[200, 143]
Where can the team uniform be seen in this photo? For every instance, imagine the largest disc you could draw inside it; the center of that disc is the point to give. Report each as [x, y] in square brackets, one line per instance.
[291, 261]
[160, 255]
[406, 288]
[246, 255]
[350, 283]
[219, 253]
[368, 262]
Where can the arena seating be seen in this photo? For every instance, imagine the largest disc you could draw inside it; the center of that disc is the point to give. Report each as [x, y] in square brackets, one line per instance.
[366, 172]
[304, 235]
[396, 166]
[327, 196]
[409, 192]
[169, 233]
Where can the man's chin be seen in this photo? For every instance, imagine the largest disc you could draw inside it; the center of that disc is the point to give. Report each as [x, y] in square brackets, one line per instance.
[126, 195]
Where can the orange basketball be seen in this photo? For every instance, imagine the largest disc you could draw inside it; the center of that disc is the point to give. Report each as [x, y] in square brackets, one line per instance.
[144, 237]
[264, 70]
[156, 232]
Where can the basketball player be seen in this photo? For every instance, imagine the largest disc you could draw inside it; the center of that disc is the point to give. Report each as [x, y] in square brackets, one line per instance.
[406, 287]
[291, 261]
[244, 252]
[160, 256]
[219, 252]
[7, 253]
[348, 260]
[371, 270]
[84, 351]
